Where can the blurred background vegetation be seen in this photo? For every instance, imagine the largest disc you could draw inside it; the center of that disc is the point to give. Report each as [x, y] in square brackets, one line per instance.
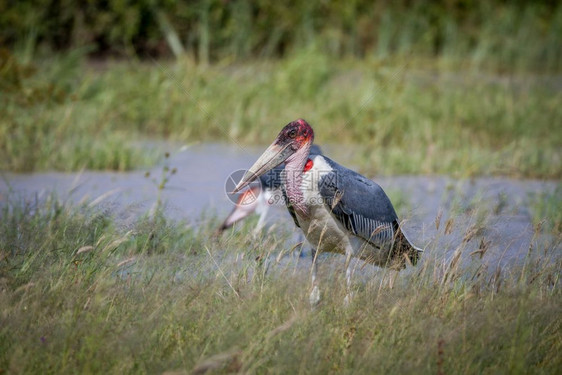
[435, 87]
[508, 34]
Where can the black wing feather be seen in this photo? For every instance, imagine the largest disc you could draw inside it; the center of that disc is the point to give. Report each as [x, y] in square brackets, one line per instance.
[290, 208]
[359, 204]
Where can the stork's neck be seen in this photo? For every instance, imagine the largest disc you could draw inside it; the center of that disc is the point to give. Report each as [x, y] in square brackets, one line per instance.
[293, 179]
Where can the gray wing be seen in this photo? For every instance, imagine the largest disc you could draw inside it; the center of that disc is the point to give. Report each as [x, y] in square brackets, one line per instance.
[359, 204]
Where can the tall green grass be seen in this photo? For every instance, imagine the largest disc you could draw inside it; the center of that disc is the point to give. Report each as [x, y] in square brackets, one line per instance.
[397, 116]
[46, 125]
[81, 293]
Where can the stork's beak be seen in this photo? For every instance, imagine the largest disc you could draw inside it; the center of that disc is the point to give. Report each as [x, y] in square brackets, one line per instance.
[271, 158]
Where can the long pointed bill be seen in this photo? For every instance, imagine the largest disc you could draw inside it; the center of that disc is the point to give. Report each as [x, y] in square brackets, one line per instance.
[271, 158]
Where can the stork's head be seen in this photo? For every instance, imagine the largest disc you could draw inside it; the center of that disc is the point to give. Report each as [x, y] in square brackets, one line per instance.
[294, 137]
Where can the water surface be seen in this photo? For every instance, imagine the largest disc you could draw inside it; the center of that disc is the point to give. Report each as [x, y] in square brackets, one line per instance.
[439, 212]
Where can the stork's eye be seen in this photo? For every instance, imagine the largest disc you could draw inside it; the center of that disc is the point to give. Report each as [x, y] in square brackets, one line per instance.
[292, 133]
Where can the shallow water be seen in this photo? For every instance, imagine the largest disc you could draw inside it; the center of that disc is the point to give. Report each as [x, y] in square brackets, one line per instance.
[198, 184]
[500, 208]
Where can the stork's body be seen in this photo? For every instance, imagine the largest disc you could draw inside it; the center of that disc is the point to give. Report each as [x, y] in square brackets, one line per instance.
[338, 209]
[349, 214]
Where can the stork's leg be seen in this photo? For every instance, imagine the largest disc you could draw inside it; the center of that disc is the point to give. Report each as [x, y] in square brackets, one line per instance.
[348, 274]
[392, 278]
[314, 297]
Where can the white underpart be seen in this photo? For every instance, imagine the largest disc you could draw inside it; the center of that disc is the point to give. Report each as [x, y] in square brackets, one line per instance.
[325, 233]
[321, 229]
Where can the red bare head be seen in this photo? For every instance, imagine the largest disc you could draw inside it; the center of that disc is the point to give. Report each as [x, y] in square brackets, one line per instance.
[296, 133]
[295, 136]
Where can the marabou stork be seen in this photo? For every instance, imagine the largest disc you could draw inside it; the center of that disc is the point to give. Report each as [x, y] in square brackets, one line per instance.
[259, 197]
[337, 209]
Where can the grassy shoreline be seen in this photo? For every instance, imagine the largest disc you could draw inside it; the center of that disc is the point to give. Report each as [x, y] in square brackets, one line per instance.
[60, 115]
[81, 293]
